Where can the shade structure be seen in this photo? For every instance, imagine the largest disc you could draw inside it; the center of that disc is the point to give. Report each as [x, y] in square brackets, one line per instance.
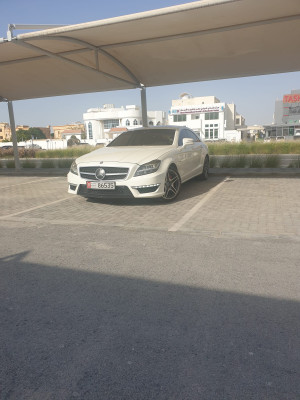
[198, 41]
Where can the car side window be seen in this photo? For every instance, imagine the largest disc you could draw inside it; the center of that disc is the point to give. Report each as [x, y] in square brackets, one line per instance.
[194, 136]
[184, 133]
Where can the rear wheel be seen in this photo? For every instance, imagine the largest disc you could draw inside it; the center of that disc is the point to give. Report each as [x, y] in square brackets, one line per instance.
[204, 175]
[172, 184]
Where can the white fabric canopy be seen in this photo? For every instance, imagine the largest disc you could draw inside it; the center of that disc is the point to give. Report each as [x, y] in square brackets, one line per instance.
[203, 40]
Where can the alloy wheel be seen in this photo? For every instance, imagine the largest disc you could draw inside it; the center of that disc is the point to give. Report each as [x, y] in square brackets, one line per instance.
[204, 175]
[172, 185]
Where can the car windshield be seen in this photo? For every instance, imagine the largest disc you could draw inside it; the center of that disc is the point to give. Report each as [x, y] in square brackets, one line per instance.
[145, 137]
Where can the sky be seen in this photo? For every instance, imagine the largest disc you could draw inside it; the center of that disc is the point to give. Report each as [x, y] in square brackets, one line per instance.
[254, 97]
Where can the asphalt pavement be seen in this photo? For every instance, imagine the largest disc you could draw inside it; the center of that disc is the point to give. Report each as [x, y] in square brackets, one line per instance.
[196, 299]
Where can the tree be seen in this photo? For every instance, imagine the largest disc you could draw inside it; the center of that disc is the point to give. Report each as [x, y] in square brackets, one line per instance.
[73, 141]
[22, 135]
[35, 133]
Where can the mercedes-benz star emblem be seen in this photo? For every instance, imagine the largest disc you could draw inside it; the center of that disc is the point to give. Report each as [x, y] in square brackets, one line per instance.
[100, 173]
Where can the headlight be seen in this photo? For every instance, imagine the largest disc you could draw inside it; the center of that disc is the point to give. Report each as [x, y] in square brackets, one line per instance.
[73, 168]
[148, 168]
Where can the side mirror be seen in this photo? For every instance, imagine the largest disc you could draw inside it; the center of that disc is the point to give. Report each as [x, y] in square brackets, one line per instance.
[187, 141]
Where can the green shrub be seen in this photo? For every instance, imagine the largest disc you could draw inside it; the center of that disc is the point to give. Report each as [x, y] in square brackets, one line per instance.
[287, 147]
[27, 153]
[233, 162]
[239, 162]
[212, 162]
[47, 164]
[10, 164]
[256, 162]
[225, 162]
[71, 152]
[272, 161]
[28, 164]
[295, 164]
[63, 163]
[0, 164]
[8, 153]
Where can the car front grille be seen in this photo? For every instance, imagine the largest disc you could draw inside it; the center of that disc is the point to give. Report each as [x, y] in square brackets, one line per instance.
[118, 192]
[111, 173]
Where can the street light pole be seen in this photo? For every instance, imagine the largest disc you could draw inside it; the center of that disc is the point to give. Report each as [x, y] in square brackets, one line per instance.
[144, 106]
[13, 134]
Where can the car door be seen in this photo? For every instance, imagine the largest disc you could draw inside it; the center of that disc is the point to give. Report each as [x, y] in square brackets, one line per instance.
[188, 156]
[197, 157]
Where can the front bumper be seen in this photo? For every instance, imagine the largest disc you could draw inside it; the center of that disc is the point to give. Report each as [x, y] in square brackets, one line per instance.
[145, 186]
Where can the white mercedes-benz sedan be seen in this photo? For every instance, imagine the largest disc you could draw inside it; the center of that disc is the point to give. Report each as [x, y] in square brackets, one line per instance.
[141, 163]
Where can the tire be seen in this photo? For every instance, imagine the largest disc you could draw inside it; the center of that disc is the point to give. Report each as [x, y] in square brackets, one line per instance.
[205, 172]
[172, 184]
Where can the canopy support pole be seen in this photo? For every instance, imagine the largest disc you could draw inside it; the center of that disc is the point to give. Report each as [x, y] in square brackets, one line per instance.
[13, 134]
[144, 106]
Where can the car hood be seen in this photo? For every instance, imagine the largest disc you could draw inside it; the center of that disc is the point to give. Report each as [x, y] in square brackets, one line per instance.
[131, 154]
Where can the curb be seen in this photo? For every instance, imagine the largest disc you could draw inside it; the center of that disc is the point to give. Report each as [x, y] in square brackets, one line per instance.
[255, 171]
[34, 172]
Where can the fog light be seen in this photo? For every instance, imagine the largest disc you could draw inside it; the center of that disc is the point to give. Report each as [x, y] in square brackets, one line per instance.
[146, 188]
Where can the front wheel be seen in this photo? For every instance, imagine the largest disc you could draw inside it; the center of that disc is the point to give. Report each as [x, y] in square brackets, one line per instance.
[172, 185]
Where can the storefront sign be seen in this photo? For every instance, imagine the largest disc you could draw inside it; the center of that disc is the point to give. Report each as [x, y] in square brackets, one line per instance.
[291, 98]
[198, 109]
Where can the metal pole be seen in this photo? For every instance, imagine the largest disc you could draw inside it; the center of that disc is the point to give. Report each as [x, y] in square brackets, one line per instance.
[13, 134]
[144, 106]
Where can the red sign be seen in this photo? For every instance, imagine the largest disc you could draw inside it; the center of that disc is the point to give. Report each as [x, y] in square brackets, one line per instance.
[291, 98]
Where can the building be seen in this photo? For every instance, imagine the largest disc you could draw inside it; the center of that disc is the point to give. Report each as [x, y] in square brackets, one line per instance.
[286, 119]
[253, 132]
[46, 131]
[5, 132]
[23, 127]
[59, 129]
[68, 133]
[99, 121]
[210, 118]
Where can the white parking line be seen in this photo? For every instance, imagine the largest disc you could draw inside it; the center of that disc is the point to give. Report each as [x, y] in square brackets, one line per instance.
[192, 211]
[25, 183]
[36, 208]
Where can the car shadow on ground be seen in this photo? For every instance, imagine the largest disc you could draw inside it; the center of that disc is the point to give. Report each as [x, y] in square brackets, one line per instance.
[190, 189]
[69, 334]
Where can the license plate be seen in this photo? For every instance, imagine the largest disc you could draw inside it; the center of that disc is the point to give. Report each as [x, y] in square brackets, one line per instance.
[107, 185]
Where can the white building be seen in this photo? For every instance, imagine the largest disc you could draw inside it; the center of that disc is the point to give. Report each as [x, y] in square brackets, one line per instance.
[99, 121]
[207, 116]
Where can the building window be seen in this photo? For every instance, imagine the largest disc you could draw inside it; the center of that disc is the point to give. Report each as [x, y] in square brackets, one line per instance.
[135, 122]
[212, 115]
[179, 117]
[212, 131]
[195, 116]
[111, 123]
[127, 122]
[90, 130]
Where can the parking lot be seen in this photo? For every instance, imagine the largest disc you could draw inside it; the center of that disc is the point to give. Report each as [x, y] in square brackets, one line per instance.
[247, 206]
[114, 299]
